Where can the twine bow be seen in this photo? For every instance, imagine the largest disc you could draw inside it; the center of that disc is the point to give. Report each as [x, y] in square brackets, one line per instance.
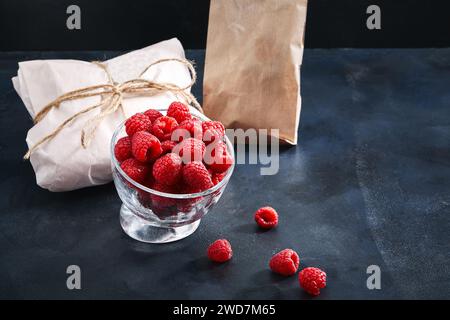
[112, 95]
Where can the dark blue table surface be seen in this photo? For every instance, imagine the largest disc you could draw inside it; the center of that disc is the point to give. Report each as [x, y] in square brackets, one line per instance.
[368, 184]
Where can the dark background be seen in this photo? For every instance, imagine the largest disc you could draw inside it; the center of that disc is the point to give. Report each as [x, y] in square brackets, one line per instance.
[122, 25]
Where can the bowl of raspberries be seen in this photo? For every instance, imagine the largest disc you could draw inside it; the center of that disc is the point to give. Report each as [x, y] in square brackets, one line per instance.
[170, 167]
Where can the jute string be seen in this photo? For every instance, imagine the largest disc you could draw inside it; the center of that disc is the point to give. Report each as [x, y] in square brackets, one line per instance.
[112, 95]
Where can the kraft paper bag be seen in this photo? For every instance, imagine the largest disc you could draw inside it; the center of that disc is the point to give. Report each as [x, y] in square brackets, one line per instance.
[252, 68]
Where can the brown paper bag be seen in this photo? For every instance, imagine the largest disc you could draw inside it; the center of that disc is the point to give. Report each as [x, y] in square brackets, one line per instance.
[252, 69]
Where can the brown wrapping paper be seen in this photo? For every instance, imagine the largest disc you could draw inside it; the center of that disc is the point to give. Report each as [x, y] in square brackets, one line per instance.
[252, 68]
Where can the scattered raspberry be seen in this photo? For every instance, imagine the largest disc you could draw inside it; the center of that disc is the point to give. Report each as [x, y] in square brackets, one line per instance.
[191, 128]
[122, 149]
[137, 122]
[197, 176]
[167, 169]
[145, 147]
[312, 280]
[190, 149]
[220, 251]
[163, 126]
[167, 146]
[153, 114]
[212, 130]
[179, 111]
[135, 170]
[266, 217]
[217, 157]
[285, 262]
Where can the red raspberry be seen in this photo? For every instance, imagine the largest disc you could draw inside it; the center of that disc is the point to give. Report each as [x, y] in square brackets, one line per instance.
[190, 149]
[186, 205]
[163, 127]
[137, 122]
[187, 189]
[191, 128]
[266, 217]
[145, 147]
[217, 157]
[136, 170]
[179, 111]
[167, 146]
[212, 130]
[217, 177]
[217, 125]
[220, 251]
[167, 169]
[122, 149]
[149, 180]
[153, 114]
[285, 262]
[196, 175]
[312, 280]
[160, 201]
[144, 196]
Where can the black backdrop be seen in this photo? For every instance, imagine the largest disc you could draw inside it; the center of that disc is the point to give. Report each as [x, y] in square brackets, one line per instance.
[128, 24]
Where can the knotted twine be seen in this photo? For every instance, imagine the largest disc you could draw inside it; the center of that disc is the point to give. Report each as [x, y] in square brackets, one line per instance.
[112, 95]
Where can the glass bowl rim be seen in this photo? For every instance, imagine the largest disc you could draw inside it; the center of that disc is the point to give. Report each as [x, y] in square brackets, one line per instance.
[171, 195]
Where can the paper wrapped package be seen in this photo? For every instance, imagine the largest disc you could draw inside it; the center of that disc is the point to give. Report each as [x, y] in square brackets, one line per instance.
[252, 68]
[61, 164]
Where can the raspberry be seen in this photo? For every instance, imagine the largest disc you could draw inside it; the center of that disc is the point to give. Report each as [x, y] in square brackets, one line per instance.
[122, 149]
[186, 205]
[220, 251]
[149, 180]
[144, 196]
[187, 189]
[167, 146]
[191, 128]
[153, 114]
[136, 170]
[285, 262]
[312, 280]
[196, 175]
[212, 130]
[217, 157]
[163, 126]
[190, 149]
[217, 177]
[145, 147]
[179, 111]
[137, 122]
[266, 217]
[217, 125]
[160, 201]
[167, 169]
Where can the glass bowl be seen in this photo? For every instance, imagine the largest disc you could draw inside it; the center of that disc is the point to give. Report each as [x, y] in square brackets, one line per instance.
[152, 216]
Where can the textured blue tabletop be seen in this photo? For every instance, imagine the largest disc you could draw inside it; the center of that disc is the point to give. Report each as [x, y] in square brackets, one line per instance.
[368, 184]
